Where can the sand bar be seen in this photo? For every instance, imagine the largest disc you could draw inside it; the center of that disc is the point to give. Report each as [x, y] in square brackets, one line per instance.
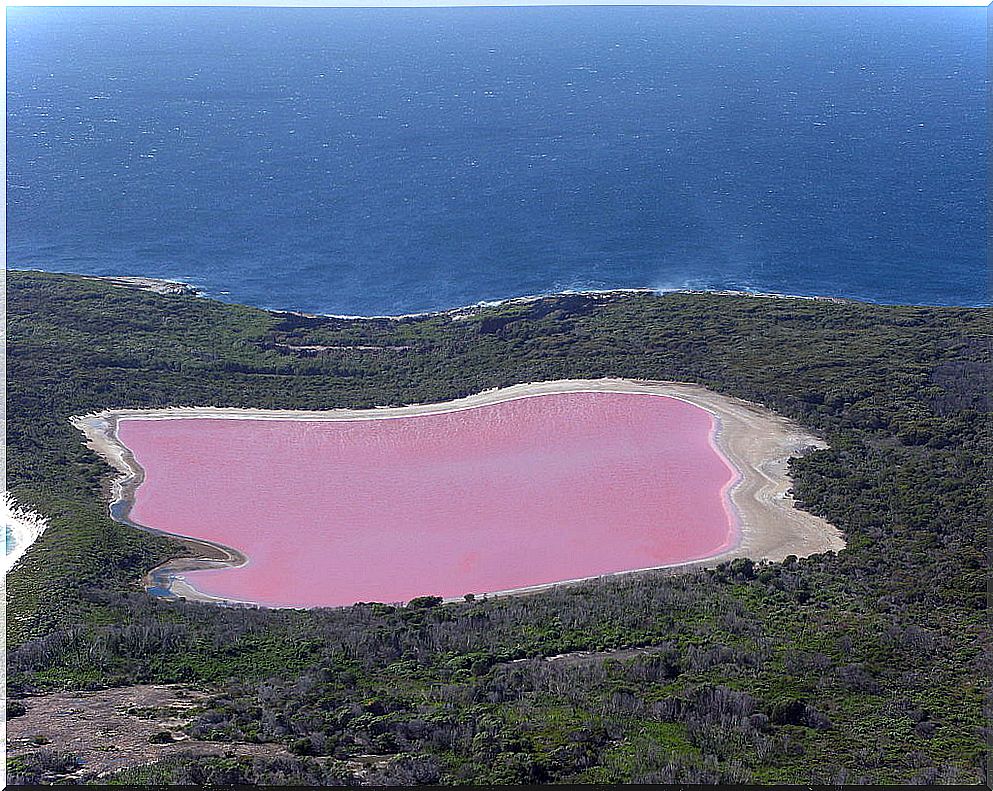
[757, 442]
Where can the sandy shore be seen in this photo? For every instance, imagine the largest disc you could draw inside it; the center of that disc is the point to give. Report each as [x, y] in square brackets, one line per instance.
[167, 578]
[756, 441]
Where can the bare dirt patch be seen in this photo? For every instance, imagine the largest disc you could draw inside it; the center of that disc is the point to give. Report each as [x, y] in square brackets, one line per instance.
[112, 729]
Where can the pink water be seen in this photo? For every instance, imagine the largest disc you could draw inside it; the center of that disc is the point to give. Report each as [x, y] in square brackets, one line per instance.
[525, 492]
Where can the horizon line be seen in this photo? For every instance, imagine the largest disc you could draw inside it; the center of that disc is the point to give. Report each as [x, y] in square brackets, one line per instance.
[498, 4]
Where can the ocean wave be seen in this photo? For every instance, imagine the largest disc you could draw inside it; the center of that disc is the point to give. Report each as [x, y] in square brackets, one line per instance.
[21, 525]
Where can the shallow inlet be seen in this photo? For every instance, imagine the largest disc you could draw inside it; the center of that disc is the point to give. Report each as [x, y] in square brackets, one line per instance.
[510, 495]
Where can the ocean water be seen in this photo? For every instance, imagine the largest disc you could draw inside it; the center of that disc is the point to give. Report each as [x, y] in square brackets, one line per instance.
[372, 161]
[9, 542]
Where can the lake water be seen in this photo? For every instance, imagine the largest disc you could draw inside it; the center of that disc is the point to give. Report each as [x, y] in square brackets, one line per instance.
[524, 492]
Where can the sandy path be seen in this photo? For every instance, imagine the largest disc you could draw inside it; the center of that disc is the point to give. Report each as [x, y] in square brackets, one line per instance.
[755, 440]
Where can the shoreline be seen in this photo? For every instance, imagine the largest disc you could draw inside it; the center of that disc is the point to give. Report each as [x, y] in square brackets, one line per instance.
[167, 286]
[26, 528]
[526, 299]
[756, 442]
[153, 284]
[101, 433]
[183, 288]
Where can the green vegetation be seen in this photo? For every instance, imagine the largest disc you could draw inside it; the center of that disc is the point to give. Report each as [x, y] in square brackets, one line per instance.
[868, 665]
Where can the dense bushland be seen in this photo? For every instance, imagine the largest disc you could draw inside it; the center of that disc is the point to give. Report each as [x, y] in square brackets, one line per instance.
[867, 665]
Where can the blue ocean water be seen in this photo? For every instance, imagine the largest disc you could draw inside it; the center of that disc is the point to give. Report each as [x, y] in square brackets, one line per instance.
[371, 161]
[9, 542]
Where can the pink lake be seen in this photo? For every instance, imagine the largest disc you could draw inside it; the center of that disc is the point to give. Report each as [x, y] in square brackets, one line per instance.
[525, 492]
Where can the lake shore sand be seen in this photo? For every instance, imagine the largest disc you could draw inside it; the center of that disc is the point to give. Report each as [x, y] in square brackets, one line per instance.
[757, 442]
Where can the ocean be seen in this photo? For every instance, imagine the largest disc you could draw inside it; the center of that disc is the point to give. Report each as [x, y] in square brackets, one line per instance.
[21, 528]
[386, 161]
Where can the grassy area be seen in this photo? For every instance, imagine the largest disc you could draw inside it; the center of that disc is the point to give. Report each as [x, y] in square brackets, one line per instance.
[865, 665]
